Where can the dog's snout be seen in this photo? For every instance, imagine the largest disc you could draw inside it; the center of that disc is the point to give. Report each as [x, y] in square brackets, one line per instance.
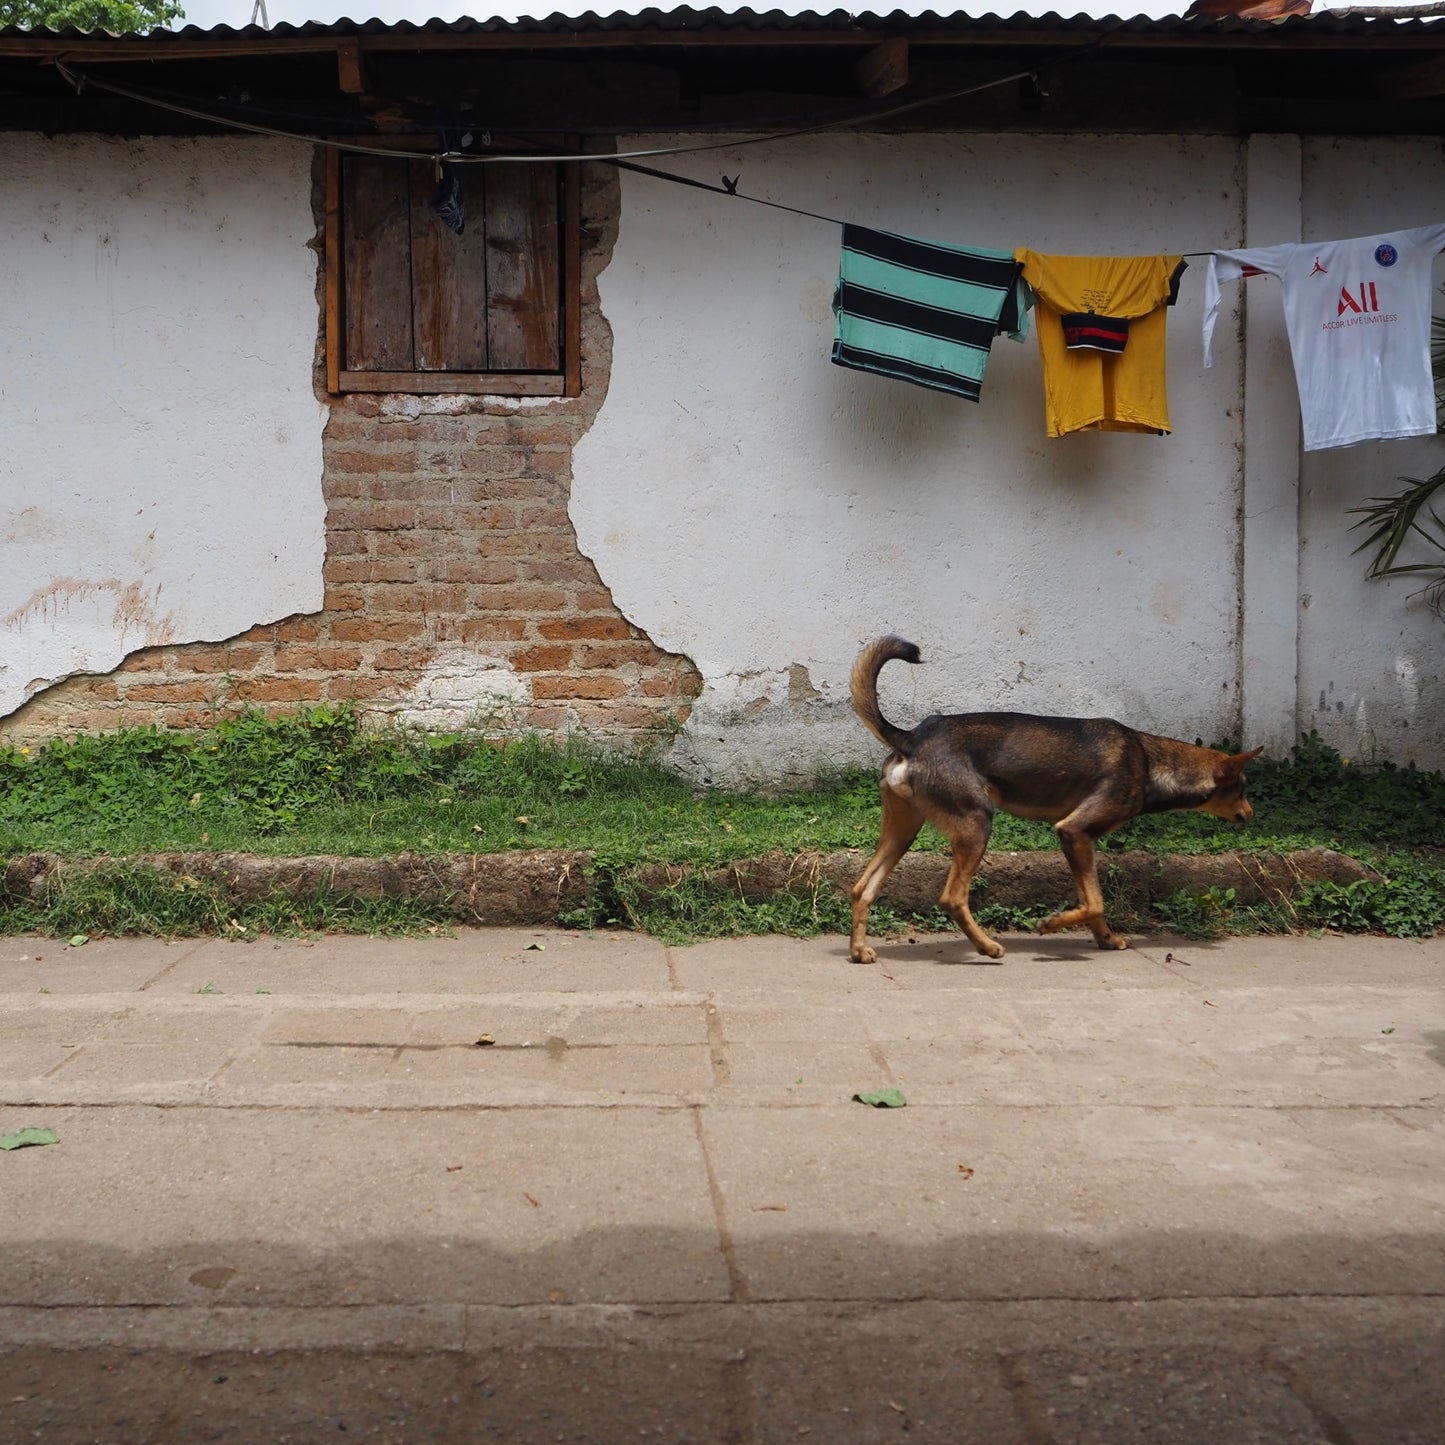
[1243, 813]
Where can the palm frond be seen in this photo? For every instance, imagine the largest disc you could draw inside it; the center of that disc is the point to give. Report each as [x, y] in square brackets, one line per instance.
[1393, 519]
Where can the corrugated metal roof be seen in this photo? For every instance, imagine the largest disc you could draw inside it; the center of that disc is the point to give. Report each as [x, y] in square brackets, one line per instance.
[684, 21]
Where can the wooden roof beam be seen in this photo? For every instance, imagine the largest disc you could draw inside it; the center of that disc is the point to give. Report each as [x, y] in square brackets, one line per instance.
[883, 69]
[351, 66]
[1422, 80]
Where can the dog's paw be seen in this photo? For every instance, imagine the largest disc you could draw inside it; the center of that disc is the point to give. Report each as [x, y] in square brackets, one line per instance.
[864, 954]
[1050, 925]
[992, 948]
[1113, 940]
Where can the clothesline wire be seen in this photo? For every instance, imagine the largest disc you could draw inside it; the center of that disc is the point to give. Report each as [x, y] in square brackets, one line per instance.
[80, 82]
[728, 188]
[622, 160]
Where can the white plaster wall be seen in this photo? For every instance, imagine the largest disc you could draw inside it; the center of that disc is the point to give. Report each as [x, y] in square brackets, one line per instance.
[160, 439]
[1372, 658]
[766, 512]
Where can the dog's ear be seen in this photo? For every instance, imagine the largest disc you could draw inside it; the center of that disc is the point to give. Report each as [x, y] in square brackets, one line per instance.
[1233, 765]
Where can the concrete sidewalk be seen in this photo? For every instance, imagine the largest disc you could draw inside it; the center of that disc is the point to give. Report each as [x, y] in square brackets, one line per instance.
[532, 1185]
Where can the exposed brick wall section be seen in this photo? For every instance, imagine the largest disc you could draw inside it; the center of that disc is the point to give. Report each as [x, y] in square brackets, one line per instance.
[448, 544]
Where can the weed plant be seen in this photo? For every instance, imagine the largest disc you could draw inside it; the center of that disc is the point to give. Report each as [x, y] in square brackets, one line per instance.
[317, 781]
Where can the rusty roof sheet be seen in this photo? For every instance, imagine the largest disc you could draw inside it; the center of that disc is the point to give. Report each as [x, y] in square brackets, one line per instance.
[684, 21]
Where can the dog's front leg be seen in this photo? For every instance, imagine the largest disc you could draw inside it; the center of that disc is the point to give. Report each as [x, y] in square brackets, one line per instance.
[1078, 849]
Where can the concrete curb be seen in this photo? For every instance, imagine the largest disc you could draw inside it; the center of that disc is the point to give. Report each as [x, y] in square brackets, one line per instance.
[537, 887]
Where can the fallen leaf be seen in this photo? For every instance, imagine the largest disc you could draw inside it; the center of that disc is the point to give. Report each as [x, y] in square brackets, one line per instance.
[770, 1209]
[536, 947]
[216, 1277]
[965, 1171]
[530, 1200]
[1208, 1004]
[79, 940]
[23, 1138]
[485, 1041]
[452, 1168]
[883, 1099]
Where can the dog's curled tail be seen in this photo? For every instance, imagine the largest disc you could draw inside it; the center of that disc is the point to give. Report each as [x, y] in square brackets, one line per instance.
[864, 688]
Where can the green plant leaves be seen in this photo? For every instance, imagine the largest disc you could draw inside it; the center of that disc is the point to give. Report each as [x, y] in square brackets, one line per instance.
[883, 1099]
[26, 1138]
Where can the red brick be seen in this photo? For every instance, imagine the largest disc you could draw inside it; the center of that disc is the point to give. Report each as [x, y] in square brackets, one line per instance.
[591, 599]
[347, 544]
[529, 544]
[370, 629]
[543, 719]
[402, 659]
[609, 717]
[334, 570]
[493, 462]
[99, 690]
[600, 627]
[519, 597]
[339, 487]
[382, 516]
[277, 689]
[466, 569]
[619, 654]
[217, 659]
[400, 461]
[410, 543]
[571, 570]
[95, 720]
[492, 629]
[360, 686]
[548, 515]
[687, 684]
[516, 489]
[545, 688]
[191, 718]
[168, 692]
[550, 464]
[370, 569]
[541, 434]
[296, 629]
[318, 659]
[554, 658]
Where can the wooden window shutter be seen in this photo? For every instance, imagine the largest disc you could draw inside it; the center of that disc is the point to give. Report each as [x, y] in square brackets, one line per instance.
[412, 306]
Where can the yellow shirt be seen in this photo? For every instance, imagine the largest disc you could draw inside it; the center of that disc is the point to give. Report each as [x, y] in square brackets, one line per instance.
[1088, 390]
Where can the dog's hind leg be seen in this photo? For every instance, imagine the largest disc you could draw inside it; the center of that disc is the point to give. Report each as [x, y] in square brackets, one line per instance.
[968, 838]
[901, 822]
[1078, 846]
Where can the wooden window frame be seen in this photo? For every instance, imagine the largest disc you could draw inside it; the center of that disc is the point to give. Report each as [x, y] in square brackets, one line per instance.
[566, 381]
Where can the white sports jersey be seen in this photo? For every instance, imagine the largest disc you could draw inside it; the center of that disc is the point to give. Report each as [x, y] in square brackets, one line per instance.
[1358, 317]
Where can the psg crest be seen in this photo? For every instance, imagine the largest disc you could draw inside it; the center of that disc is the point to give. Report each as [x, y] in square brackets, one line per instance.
[1386, 254]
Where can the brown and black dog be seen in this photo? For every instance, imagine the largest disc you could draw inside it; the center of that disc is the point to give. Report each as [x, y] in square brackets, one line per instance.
[1086, 776]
